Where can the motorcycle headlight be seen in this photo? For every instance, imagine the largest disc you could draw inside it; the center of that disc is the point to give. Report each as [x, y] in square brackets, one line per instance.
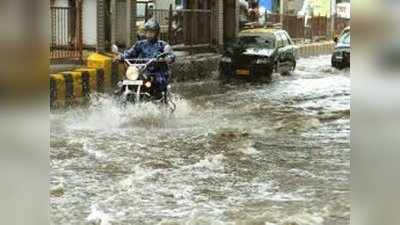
[226, 59]
[147, 84]
[132, 73]
[262, 61]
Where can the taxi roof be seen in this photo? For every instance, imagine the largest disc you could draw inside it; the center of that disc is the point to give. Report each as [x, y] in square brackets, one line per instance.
[259, 30]
[263, 32]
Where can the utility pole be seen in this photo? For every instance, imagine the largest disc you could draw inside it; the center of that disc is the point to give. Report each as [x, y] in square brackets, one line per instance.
[333, 16]
[281, 10]
[113, 11]
[131, 22]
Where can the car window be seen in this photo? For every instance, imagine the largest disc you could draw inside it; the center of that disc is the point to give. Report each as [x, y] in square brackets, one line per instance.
[256, 41]
[345, 39]
[288, 37]
[284, 38]
[279, 40]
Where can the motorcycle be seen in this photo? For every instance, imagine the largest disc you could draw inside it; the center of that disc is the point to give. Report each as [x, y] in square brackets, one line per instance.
[138, 85]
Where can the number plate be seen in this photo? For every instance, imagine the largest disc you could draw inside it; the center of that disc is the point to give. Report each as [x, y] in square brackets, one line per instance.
[132, 82]
[243, 72]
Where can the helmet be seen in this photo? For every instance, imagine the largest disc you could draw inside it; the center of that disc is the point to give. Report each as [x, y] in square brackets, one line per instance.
[152, 25]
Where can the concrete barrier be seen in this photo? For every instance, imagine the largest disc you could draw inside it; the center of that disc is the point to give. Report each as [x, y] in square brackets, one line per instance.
[73, 87]
[194, 67]
[315, 49]
[112, 71]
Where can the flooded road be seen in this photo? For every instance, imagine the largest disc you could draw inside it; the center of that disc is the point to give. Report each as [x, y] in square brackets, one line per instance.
[270, 154]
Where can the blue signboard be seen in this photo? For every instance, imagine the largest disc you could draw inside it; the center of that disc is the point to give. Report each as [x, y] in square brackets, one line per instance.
[267, 4]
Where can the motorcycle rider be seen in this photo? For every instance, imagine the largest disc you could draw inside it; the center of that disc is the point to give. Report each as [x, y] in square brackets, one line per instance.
[151, 47]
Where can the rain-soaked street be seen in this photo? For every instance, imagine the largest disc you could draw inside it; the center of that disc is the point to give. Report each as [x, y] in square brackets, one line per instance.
[269, 154]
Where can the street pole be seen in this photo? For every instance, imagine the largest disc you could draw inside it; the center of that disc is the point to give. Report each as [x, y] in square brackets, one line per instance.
[113, 12]
[333, 16]
[281, 11]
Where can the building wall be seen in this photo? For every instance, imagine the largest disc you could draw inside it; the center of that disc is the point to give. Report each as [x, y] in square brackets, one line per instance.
[89, 21]
[61, 27]
[229, 14]
[164, 4]
[320, 7]
[120, 28]
[60, 3]
[220, 22]
[292, 6]
[131, 28]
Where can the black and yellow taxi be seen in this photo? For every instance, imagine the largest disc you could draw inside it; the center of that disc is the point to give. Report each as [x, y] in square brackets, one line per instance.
[258, 52]
[341, 55]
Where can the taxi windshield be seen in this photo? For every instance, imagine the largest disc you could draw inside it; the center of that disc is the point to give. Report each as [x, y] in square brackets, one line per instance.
[250, 41]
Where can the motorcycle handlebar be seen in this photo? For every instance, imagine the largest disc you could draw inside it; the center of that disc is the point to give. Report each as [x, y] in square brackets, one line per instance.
[142, 61]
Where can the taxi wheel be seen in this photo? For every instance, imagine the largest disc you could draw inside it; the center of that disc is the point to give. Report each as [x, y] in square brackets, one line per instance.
[288, 71]
[337, 65]
[267, 78]
[294, 65]
[285, 73]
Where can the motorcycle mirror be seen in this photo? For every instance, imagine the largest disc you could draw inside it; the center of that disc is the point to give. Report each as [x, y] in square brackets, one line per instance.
[114, 49]
[336, 39]
[167, 49]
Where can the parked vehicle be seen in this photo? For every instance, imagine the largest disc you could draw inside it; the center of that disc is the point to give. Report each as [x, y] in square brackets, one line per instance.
[256, 53]
[341, 55]
[138, 85]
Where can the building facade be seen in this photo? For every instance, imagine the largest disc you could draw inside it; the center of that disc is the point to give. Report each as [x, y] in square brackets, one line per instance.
[107, 22]
[224, 21]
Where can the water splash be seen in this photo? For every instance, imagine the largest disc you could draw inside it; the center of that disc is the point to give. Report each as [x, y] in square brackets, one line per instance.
[98, 217]
[213, 162]
[105, 113]
[304, 219]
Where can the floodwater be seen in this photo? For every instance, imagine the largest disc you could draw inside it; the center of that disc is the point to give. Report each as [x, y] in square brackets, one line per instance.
[246, 154]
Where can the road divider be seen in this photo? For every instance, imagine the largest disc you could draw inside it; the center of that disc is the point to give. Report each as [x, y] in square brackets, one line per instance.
[73, 87]
[316, 49]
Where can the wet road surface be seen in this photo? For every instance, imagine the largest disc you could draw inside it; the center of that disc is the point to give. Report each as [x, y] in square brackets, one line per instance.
[270, 154]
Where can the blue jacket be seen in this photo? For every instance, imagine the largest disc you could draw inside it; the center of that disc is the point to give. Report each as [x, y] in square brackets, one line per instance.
[148, 49]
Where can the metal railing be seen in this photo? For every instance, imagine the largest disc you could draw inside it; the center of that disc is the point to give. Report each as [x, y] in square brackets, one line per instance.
[66, 33]
[185, 28]
[318, 26]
